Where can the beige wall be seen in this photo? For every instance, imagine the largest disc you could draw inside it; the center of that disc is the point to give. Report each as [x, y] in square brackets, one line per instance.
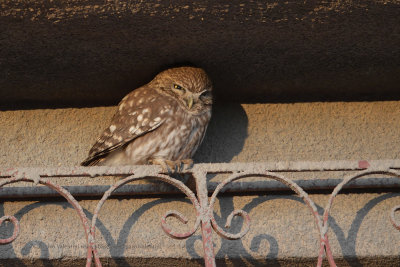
[282, 227]
[237, 133]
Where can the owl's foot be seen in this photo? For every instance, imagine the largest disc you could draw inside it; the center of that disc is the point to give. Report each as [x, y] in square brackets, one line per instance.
[185, 164]
[171, 166]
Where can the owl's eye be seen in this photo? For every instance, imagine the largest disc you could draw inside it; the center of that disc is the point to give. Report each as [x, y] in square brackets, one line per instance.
[206, 97]
[205, 94]
[178, 87]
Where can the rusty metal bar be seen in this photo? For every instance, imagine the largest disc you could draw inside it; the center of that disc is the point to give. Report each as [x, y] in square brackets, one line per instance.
[286, 166]
[234, 187]
[205, 215]
[203, 206]
[325, 183]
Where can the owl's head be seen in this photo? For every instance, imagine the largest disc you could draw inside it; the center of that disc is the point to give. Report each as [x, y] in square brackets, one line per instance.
[190, 86]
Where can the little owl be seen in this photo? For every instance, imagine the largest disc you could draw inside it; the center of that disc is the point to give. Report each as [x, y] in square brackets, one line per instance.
[162, 122]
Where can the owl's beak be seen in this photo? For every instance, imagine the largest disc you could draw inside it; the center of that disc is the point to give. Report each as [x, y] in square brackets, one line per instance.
[189, 101]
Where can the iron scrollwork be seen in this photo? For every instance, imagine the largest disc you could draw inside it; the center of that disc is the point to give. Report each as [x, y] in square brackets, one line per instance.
[202, 204]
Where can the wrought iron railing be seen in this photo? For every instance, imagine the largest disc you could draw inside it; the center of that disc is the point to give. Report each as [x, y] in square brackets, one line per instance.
[203, 204]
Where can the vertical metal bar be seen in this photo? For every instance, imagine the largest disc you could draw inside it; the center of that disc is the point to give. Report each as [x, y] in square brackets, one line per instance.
[206, 228]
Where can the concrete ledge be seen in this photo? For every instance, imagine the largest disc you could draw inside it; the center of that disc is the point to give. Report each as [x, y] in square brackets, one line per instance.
[85, 52]
[237, 133]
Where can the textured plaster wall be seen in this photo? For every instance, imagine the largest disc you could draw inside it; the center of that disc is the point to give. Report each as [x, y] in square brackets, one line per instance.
[81, 52]
[237, 133]
[283, 231]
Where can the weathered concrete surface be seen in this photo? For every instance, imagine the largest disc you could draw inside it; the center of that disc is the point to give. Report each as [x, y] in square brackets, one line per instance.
[237, 133]
[283, 232]
[83, 52]
[129, 230]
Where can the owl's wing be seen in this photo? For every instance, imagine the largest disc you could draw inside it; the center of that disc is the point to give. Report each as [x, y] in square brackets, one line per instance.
[140, 112]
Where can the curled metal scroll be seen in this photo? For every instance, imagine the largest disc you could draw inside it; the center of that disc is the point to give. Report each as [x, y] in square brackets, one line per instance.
[336, 191]
[393, 219]
[165, 226]
[271, 175]
[168, 229]
[204, 213]
[37, 180]
[15, 223]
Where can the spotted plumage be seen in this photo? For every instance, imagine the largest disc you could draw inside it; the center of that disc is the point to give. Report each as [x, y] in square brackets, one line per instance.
[162, 121]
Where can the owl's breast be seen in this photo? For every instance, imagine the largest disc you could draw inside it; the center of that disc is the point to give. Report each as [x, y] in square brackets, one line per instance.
[177, 138]
[193, 138]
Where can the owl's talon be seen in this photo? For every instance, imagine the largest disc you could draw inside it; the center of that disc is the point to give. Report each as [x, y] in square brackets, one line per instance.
[186, 164]
[168, 166]
[160, 162]
[171, 167]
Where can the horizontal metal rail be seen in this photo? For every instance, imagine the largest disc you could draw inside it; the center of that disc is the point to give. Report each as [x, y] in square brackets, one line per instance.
[203, 204]
[96, 191]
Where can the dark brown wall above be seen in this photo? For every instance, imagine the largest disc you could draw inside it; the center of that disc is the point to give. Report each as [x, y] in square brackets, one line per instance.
[69, 53]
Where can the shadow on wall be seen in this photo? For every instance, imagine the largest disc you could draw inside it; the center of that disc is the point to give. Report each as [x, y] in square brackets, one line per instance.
[225, 135]
[236, 250]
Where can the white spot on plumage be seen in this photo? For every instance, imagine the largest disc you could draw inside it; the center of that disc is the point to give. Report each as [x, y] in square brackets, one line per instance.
[157, 119]
[118, 138]
[140, 117]
[145, 121]
[133, 129]
[112, 128]
[146, 110]
[108, 144]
